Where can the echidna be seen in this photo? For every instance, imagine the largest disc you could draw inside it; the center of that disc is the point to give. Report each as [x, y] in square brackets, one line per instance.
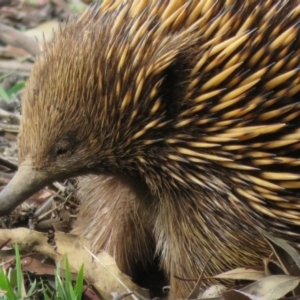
[185, 116]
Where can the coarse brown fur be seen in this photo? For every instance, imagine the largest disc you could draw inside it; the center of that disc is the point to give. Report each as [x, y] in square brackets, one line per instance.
[195, 100]
[122, 209]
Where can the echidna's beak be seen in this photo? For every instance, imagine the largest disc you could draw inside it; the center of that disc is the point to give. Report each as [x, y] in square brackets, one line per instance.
[24, 184]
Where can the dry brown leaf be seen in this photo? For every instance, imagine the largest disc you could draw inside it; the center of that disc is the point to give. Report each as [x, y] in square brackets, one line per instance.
[281, 248]
[287, 256]
[105, 276]
[272, 287]
[242, 274]
[37, 267]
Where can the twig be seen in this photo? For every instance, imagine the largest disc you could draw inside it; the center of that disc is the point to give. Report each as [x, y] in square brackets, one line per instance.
[9, 128]
[15, 38]
[7, 114]
[8, 164]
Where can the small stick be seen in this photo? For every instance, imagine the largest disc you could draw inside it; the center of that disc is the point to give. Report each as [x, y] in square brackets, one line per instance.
[15, 38]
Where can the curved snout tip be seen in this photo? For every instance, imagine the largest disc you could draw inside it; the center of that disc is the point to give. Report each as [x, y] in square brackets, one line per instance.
[24, 184]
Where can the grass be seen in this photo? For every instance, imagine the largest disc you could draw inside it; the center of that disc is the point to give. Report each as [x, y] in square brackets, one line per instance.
[12, 286]
[6, 95]
[10, 93]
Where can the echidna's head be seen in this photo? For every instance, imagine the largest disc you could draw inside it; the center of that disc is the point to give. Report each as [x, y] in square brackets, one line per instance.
[97, 100]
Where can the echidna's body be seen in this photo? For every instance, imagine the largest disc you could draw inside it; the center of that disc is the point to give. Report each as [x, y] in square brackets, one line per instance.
[198, 102]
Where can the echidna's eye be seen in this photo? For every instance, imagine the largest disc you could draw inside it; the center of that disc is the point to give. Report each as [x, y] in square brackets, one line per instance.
[61, 151]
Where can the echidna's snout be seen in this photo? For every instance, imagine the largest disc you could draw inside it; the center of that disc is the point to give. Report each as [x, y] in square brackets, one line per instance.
[25, 183]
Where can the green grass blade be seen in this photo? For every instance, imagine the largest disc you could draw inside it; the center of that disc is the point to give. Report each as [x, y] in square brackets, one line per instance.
[6, 75]
[15, 89]
[79, 283]
[5, 286]
[46, 291]
[68, 274]
[3, 94]
[19, 272]
[32, 289]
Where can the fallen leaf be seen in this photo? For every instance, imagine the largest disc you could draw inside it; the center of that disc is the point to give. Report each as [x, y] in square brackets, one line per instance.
[272, 287]
[102, 272]
[242, 274]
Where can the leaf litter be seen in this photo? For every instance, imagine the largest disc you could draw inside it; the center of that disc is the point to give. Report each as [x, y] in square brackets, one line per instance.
[56, 207]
